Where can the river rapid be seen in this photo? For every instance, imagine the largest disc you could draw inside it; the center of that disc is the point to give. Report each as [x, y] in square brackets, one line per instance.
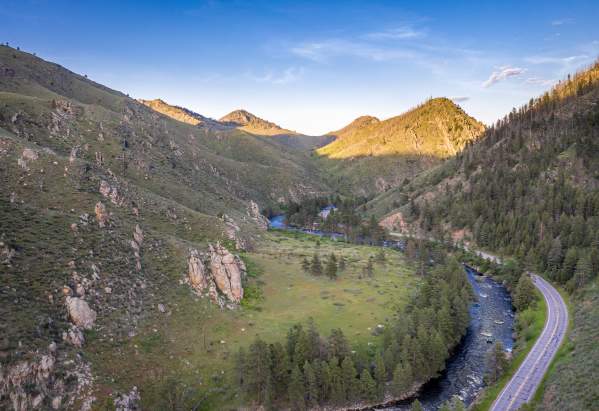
[491, 320]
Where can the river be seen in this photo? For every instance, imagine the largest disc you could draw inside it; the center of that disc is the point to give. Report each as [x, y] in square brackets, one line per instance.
[491, 319]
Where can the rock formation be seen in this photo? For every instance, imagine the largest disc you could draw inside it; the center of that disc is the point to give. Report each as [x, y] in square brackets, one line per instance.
[128, 402]
[138, 238]
[80, 313]
[196, 271]
[256, 216]
[101, 214]
[223, 280]
[227, 271]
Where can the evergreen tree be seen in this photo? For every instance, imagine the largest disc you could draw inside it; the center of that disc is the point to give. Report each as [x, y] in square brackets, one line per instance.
[524, 294]
[402, 379]
[305, 265]
[337, 387]
[342, 263]
[416, 406]
[296, 389]
[316, 266]
[279, 369]
[331, 269]
[338, 345]
[496, 362]
[312, 390]
[380, 374]
[368, 389]
[350, 383]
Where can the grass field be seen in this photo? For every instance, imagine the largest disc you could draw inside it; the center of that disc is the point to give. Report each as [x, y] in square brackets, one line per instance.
[194, 341]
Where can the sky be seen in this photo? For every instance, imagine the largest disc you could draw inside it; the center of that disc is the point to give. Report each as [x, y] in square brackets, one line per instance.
[313, 66]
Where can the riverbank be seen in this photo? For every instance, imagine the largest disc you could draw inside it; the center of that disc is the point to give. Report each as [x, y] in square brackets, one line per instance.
[528, 334]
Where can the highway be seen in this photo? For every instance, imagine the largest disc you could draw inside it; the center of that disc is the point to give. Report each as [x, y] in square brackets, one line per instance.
[521, 388]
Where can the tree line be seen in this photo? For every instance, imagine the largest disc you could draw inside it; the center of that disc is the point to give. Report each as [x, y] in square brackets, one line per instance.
[309, 369]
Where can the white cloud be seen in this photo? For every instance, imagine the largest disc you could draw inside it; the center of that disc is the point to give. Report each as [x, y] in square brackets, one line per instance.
[502, 74]
[398, 33]
[288, 75]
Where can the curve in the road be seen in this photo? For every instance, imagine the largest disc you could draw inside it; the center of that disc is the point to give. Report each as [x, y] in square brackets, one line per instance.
[526, 380]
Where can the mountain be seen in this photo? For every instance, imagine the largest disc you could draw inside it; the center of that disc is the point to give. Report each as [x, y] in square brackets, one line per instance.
[371, 156]
[527, 189]
[111, 211]
[181, 114]
[247, 121]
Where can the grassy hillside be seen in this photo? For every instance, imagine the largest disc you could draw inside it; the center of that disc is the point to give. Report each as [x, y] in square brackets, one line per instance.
[370, 155]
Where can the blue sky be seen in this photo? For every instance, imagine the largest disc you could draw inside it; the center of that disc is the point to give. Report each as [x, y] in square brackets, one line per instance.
[313, 66]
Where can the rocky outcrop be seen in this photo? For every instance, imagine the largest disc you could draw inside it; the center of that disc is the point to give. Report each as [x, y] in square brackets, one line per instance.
[111, 193]
[233, 231]
[27, 156]
[74, 336]
[128, 402]
[222, 280]
[196, 271]
[256, 216]
[80, 313]
[16, 380]
[138, 238]
[227, 271]
[101, 214]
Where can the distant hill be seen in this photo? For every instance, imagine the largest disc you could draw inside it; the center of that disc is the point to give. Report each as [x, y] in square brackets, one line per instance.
[251, 123]
[181, 114]
[372, 155]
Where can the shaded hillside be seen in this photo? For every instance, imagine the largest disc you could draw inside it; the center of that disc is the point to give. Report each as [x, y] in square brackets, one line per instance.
[371, 156]
[105, 206]
[530, 189]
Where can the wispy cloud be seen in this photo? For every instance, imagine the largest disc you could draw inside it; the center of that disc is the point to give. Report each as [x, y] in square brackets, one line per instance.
[502, 74]
[397, 33]
[556, 60]
[561, 22]
[287, 76]
[324, 50]
[459, 99]
[539, 81]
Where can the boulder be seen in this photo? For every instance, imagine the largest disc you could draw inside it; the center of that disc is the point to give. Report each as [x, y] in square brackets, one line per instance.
[80, 313]
[101, 214]
[227, 272]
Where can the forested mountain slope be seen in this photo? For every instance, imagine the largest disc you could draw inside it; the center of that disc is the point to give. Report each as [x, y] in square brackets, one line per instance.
[530, 189]
[370, 155]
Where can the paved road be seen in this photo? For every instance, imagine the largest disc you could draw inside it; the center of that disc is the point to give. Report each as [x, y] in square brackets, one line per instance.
[525, 382]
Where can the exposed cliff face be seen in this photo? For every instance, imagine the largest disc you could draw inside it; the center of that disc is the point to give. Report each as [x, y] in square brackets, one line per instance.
[256, 216]
[220, 277]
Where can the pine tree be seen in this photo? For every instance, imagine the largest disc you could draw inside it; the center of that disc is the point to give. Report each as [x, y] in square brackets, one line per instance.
[296, 389]
[348, 371]
[416, 406]
[524, 295]
[279, 369]
[305, 265]
[368, 389]
[311, 385]
[402, 379]
[337, 388]
[496, 362]
[342, 263]
[331, 269]
[316, 267]
[380, 374]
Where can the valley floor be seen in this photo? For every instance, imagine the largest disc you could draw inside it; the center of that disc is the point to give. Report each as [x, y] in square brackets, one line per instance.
[192, 344]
